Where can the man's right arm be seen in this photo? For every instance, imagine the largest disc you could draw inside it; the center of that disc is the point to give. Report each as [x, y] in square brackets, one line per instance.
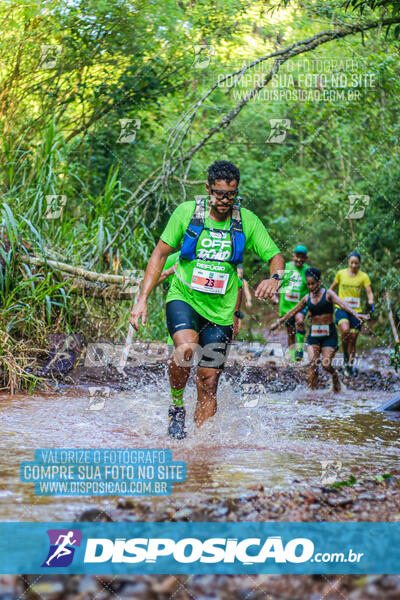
[165, 274]
[154, 267]
[170, 238]
[169, 266]
[151, 276]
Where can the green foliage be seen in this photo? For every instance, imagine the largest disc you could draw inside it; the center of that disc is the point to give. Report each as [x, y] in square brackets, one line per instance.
[395, 358]
[60, 140]
[345, 483]
[391, 6]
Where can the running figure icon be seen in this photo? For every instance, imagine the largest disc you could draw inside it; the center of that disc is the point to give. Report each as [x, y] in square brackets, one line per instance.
[62, 549]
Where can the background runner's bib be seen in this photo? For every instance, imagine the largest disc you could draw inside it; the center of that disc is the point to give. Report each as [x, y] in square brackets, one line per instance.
[292, 296]
[319, 330]
[351, 286]
[208, 281]
[352, 302]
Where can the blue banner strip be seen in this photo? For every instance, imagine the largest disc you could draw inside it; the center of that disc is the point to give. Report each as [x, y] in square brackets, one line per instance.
[195, 548]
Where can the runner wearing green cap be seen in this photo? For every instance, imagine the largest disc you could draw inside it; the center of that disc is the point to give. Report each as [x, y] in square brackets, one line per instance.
[294, 287]
[214, 231]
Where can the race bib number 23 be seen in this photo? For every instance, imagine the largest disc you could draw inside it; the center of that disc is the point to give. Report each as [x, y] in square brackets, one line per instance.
[204, 280]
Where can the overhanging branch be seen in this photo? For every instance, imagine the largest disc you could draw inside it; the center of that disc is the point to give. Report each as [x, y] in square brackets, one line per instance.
[173, 155]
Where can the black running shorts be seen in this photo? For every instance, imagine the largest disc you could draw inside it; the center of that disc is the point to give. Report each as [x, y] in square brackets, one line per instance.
[330, 340]
[213, 339]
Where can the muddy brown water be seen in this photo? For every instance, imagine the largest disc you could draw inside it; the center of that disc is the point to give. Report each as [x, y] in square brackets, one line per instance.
[272, 439]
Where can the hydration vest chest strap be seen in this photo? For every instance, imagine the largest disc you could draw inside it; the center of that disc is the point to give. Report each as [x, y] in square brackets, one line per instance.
[196, 226]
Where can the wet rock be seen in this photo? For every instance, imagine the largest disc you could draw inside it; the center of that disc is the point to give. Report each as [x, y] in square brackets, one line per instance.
[377, 587]
[125, 503]
[309, 498]
[10, 588]
[232, 517]
[253, 516]
[257, 488]
[86, 586]
[166, 586]
[184, 514]
[47, 590]
[134, 590]
[220, 512]
[366, 496]
[247, 497]
[8, 593]
[103, 595]
[339, 501]
[93, 515]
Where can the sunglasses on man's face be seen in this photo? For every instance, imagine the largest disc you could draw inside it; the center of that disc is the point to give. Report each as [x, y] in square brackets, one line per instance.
[221, 194]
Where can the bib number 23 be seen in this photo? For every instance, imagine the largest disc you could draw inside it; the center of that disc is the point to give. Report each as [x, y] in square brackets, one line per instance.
[209, 281]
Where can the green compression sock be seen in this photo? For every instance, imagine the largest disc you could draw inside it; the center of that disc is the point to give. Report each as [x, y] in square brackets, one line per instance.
[292, 354]
[177, 396]
[300, 337]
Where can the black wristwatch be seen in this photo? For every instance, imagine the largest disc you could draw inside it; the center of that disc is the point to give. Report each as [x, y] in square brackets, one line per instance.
[276, 276]
[238, 314]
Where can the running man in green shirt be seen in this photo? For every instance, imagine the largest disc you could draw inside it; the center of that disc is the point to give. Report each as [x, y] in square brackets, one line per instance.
[213, 232]
[292, 289]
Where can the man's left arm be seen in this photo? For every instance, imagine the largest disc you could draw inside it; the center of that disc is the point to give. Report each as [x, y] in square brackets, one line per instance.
[268, 287]
[261, 243]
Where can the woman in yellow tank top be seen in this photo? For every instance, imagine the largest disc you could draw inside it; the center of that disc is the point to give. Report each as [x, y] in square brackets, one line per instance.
[351, 282]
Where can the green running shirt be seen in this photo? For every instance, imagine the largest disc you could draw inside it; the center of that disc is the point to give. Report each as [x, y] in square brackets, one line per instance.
[171, 260]
[217, 308]
[294, 285]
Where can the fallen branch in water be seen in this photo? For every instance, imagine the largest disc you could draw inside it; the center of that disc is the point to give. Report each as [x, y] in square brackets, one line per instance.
[109, 292]
[80, 272]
